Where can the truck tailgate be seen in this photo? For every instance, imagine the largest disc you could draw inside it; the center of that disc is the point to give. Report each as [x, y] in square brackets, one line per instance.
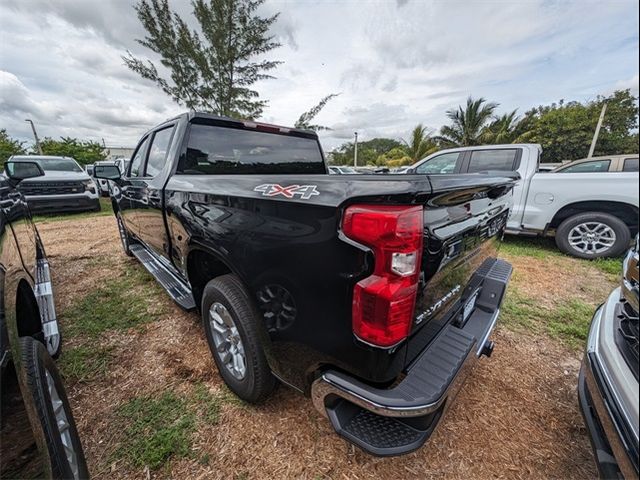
[463, 225]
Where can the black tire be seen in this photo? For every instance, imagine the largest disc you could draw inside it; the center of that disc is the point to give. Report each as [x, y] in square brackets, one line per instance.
[258, 382]
[38, 365]
[622, 235]
[125, 238]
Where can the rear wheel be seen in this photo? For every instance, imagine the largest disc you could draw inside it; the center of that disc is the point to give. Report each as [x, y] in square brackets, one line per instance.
[593, 235]
[125, 239]
[50, 402]
[231, 322]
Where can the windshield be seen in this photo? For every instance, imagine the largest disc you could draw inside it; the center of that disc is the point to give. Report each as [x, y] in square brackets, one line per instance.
[58, 164]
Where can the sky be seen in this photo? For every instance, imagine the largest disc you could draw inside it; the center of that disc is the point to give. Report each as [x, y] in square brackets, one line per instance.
[394, 63]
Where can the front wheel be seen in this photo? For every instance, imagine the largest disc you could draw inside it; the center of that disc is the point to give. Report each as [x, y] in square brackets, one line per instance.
[232, 325]
[49, 400]
[593, 235]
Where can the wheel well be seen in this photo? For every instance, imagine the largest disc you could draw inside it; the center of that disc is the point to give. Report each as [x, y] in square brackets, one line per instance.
[201, 268]
[625, 212]
[27, 312]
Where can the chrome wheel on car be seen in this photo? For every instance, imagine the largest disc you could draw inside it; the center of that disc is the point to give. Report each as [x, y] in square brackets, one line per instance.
[227, 340]
[592, 238]
[64, 427]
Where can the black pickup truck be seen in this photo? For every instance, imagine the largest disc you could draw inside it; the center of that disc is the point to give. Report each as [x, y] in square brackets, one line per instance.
[371, 294]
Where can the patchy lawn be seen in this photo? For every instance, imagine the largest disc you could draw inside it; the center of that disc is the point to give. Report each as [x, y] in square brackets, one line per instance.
[149, 402]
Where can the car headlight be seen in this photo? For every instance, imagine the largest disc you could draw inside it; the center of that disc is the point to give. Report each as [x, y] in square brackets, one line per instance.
[89, 186]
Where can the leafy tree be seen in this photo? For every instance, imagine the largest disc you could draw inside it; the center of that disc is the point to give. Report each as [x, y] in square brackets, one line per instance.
[9, 146]
[467, 124]
[420, 144]
[85, 152]
[368, 152]
[396, 157]
[565, 130]
[304, 121]
[211, 69]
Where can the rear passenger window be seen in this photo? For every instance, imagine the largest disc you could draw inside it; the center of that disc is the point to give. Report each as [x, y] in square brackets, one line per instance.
[445, 163]
[158, 151]
[138, 157]
[588, 167]
[482, 160]
[630, 165]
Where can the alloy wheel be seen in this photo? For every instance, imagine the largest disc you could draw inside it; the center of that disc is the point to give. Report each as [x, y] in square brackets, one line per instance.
[226, 338]
[64, 427]
[592, 238]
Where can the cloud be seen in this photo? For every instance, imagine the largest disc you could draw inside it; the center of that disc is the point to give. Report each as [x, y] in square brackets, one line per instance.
[396, 63]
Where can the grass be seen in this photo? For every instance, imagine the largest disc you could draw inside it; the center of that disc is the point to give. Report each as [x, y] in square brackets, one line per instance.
[126, 301]
[612, 266]
[568, 322]
[105, 209]
[85, 363]
[159, 428]
[209, 404]
[536, 247]
[156, 430]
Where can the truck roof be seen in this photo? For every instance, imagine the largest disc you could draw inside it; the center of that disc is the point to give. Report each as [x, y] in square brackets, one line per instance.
[235, 122]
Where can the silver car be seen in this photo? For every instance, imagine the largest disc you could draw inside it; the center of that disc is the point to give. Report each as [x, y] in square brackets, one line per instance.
[65, 186]
[608, 383]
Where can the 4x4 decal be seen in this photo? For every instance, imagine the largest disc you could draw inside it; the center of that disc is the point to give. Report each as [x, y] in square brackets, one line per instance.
[273, 189]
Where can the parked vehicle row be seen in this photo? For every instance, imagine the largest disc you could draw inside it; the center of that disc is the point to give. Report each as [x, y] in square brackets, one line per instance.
[373, 295]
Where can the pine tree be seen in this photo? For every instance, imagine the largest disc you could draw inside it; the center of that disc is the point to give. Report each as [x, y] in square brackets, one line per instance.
[211, 70]
[304, 121]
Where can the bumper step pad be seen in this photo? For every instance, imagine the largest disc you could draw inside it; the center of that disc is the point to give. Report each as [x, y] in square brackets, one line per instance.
[399, 420]
[426, 391]
[175, 287]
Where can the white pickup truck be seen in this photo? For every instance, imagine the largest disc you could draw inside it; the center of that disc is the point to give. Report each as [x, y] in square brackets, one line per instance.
[592, 214]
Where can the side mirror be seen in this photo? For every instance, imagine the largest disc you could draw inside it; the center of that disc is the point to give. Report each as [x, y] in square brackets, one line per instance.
[107, 172]
[18, 171]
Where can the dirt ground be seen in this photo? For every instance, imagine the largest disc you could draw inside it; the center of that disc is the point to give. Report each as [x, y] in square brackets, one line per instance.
[517, 416]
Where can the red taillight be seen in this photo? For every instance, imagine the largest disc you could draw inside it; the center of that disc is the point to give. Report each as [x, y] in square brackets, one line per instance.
[383, 303]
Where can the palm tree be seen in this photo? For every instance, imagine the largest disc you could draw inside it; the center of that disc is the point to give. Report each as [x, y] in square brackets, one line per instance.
[468, 124]
[509, 128]
[420, 144]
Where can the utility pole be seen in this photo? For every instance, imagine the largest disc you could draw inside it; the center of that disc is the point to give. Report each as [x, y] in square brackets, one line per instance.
[35, 134]
[355, 150]
[597, 132]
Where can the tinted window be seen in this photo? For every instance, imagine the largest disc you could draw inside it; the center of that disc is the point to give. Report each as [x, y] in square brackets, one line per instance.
[587, 167]
[221, 150]
[138, 157]
[482, 160]
[445, 163]
[630, 165]
[158, 151]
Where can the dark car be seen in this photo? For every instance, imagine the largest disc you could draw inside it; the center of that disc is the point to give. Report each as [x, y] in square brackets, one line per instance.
[38, 437]
[608, 383]
[373, 294]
